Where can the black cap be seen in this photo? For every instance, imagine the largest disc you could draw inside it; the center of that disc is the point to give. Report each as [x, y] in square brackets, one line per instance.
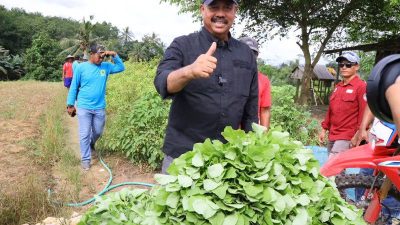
[207, 2]
[96, 48]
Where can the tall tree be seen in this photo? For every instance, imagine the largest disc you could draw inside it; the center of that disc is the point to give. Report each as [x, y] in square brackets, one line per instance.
[42, 60]
[80, 44]
[126, 36]
[149, 48]
[318, 23]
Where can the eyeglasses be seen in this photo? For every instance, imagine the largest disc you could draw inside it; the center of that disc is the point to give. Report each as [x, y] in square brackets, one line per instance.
[348, 65]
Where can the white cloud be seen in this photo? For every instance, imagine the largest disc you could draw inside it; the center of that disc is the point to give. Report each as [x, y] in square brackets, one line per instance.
[144, 17]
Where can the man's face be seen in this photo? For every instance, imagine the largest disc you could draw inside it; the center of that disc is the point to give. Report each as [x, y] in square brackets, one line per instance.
[218, 17]
[97, 58]
[348, 69]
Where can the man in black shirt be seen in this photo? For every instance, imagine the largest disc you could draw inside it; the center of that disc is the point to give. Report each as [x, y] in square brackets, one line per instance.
[212, 80]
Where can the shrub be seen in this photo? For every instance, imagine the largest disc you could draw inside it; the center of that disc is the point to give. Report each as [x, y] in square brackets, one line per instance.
[10, 65]
[141, 136]
[291, 117]
[42, 60]
[137, 115]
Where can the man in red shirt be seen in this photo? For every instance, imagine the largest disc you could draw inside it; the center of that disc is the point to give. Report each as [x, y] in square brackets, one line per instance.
[264, 87]
[67, 71]
[346, 107]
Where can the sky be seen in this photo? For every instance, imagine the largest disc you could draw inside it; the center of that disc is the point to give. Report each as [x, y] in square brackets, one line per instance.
[146, 17]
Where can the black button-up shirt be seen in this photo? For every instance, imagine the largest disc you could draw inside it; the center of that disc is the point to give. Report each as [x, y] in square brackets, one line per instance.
[204, 107]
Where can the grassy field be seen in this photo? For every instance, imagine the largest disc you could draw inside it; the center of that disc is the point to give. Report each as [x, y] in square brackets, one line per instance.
[30, 139]
[40, 151]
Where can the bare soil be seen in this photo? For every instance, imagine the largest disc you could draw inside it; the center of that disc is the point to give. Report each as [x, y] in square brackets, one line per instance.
[20, 109]
[95, 180]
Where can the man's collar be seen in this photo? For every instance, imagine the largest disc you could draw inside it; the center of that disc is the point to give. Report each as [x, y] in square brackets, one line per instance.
[211, 38]
[352, 82]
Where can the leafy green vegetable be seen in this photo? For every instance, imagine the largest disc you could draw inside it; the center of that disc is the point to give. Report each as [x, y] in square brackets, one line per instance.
[255, 178]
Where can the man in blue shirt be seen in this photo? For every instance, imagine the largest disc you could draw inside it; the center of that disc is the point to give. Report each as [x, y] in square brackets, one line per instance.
[88, 89]
[212, 80]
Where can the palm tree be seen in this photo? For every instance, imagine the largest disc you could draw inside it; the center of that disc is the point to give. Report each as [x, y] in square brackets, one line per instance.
[81, 43]
[126, 36]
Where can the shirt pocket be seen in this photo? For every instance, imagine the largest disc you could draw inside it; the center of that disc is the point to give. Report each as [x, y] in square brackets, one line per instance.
[349, 102]
[242, 79]
[349, 97]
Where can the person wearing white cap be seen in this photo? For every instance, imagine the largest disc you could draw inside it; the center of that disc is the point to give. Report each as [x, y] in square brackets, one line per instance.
[67, 71]
[212, 80]
[346, 105]
[264, 87]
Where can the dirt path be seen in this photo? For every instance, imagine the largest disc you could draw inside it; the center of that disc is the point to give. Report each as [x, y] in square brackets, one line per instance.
[21, 110]
[21, 106]
[94, 180]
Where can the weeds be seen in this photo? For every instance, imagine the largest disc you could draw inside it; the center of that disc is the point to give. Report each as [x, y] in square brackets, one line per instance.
[27, 202]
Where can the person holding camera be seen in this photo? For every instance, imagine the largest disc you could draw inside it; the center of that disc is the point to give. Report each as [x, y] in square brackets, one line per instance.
[88, 89]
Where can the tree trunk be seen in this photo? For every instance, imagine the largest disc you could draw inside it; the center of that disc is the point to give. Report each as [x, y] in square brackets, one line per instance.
[305, 94]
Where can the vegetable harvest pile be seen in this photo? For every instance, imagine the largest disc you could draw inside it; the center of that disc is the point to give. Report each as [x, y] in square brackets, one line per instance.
[255, 178]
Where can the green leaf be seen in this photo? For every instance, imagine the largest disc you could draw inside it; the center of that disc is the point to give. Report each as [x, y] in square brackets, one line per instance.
[185, 181]
[303, 200]
[204, 207]
[324, 217]
[210, 185]
[350, 214]
[221, 191]
[215, 171]
[301, 217]
[172, 200]
[163, 179]
[231, 219]
[258, 129]
[217, 219]
[253, 190]
[197, 160]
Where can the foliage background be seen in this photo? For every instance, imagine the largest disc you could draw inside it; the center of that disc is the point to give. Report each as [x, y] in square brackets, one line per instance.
[137, 116]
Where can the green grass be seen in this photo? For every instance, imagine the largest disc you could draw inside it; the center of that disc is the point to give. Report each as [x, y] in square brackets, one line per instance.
[28, 201]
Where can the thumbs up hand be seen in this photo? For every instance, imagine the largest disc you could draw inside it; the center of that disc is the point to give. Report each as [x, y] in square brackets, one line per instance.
[205, 64]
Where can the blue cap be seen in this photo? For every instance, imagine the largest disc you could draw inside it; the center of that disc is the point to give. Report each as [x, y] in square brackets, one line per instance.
[207, 2]
[349, 56]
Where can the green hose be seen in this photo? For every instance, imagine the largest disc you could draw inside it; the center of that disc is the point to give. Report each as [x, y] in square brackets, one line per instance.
[106, 188]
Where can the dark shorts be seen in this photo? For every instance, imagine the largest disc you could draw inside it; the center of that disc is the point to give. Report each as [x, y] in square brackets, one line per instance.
[67, 81]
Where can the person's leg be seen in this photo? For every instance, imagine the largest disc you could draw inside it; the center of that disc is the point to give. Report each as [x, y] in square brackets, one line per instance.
[329, 148]
[340, 146]
[85, 127]
[99, 120]
[165, 163]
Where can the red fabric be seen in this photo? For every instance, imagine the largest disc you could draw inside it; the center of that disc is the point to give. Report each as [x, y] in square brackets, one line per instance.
[67, 69]
[264, 92]
[346, 108]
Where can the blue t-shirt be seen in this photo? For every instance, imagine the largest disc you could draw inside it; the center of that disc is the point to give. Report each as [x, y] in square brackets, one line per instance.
[88, 85]
[75, 64]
